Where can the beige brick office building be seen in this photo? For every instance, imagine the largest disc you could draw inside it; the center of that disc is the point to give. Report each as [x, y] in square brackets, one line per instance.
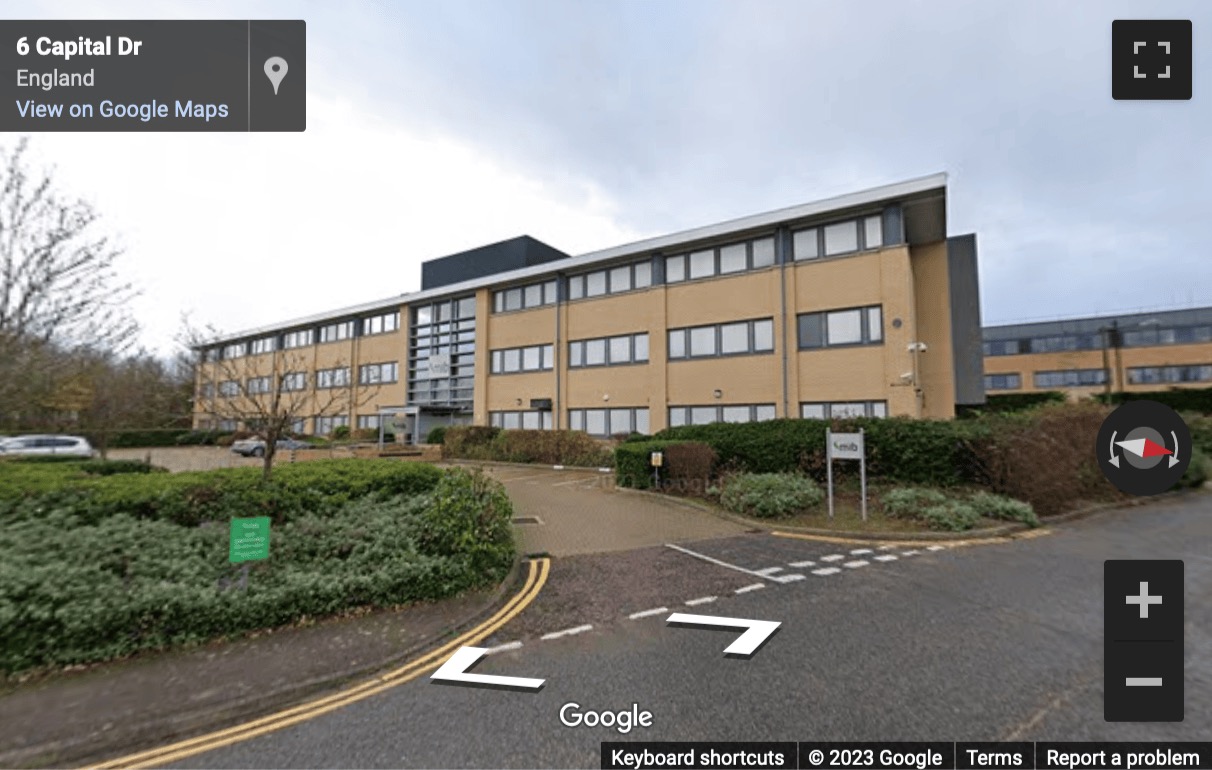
[859, 304]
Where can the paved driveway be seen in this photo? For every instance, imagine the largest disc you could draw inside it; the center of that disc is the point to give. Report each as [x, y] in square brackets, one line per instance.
[581, 512]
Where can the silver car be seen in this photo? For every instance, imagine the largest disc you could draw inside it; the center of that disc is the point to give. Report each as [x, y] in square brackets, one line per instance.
[255, 447]
[70, 446]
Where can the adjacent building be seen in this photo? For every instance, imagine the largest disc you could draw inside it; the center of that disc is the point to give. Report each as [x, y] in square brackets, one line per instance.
[856, 305]
[1084, 356]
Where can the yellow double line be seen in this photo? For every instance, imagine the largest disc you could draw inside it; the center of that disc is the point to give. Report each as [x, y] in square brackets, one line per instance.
[535, 579]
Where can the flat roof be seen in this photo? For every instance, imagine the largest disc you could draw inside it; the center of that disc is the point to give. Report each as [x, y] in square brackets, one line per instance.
[1126, 321]
[870, 196]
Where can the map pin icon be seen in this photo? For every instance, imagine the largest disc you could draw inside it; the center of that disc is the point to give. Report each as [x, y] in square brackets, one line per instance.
[275, 70]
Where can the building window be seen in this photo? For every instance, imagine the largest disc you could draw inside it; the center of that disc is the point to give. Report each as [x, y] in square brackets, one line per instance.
[368, 421]
[609, 351]
[1003, 381]
[522, 297]
[1002, 348]
[705, 415]
[838, 410]
[336, 332]
[804, 244]
[229, 388]
[731, 258]
[614, 280]
[299, 339]
[1144, 375]
[326, 425]
[298, 427]
[737, 338]
[534, 358]
[207, 390]
[380, 324]
[370, 374]
[258, 385]
[294, 381]
[1070, 378]
[873, 232]
[609, 422]
[856, 326]
[263, 345]
[332, 378]
[235, 350]
[227, 425]
[841, 238]
[521, 420]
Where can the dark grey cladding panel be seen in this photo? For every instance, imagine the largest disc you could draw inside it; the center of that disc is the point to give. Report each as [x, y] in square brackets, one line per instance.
[925, 217]
[1092, 324]
[484, 261]
[964, 282]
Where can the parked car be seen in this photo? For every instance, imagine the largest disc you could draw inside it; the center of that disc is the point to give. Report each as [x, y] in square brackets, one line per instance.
[255, 447]
[71, 446]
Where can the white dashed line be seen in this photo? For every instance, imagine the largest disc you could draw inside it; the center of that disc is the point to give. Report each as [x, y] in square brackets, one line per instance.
[886, 547]
[648, 613]
[935, 548]
[833, 557]
[801, 564]
[701, 600]
[856, 563]
[886, 557]
[860, 551]
[503, 647]
[566, 632]
[826, 571]
[789, 578]
[706, 558]
[910, 553]
[557, 467]
[769, 571]
[605, 470]
[747, 589]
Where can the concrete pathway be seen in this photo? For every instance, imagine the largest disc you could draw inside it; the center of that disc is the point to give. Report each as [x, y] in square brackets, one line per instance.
[581, 511]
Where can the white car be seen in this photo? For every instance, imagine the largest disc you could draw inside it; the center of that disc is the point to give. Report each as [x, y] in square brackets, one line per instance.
[71, 446]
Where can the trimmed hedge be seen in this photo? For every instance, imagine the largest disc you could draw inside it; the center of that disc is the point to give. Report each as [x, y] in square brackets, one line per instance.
[188, 499]
[997, 403]
[134, 439]
[74, 591]
[1179, 399]
[551, 447]
[931, 452]
[770, 495]
[631, 468]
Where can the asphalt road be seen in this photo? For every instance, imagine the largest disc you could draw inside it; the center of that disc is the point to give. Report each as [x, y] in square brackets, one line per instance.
[992, 642]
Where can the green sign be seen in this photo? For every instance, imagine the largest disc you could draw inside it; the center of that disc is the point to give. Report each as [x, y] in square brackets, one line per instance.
[249, 539]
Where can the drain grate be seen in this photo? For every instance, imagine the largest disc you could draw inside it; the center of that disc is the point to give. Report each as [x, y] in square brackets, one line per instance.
[527, 520]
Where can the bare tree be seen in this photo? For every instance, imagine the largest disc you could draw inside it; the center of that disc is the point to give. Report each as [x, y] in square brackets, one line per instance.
[59, 290]
[271, 392]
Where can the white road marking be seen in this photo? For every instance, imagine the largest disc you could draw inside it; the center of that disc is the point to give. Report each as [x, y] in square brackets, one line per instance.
[935, 548]
[910, 553]
[833, 557]
[769, 571]
[749, 588]
[856, 563]
[789, 578]
[503, 647]
[707, 558]
[701, 600]
[826, 571]
[860, 551]
[557, 467]
[570, 483]
[605, 470]
[801, 564]
[886, 547]
[648, 613]
[566, 632]
[886, 557]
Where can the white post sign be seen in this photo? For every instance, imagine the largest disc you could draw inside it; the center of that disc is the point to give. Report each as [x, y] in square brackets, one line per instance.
[845, 446]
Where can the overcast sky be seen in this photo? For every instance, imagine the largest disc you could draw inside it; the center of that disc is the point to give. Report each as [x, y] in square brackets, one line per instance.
[439, 126]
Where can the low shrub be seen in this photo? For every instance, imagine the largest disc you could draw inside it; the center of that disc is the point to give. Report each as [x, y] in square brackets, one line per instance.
[111, 467]
[999, 403]
[909, 502]
[469, 514]
[436, 435]
[770, 495]
[135, 439]
[1004, 508]
[950, 516]
[73, 592]
[43, 459]
[340, 433]
[1199, 470]
[1198, 400]
[197, 438]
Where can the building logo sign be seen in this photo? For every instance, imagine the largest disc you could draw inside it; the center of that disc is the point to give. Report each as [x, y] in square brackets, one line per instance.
[439, 365]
